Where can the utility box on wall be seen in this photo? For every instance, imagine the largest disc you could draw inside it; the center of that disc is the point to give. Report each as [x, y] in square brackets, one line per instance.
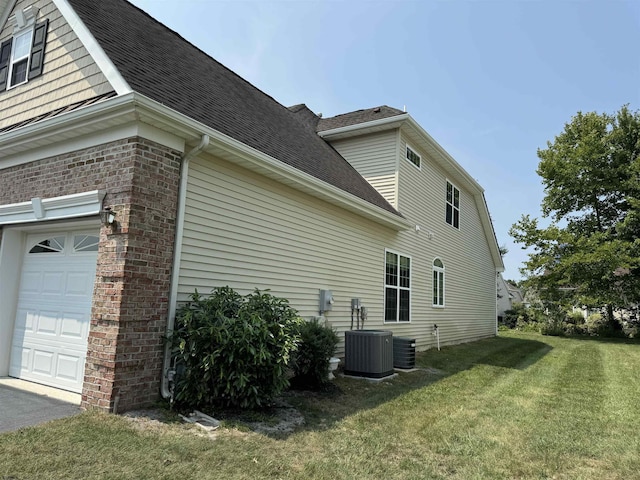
[326, 301]
[368, 353]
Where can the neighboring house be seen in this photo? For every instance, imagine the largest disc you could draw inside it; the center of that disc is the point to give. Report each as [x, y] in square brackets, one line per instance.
[212, 183]
[508, 295]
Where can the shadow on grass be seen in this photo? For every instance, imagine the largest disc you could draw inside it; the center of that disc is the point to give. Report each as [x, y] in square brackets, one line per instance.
[617, 340]
[347, 396]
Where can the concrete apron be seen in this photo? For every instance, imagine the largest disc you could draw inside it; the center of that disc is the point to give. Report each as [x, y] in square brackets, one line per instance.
[24, 404]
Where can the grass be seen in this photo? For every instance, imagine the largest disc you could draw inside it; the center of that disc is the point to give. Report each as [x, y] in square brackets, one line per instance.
[516, 406]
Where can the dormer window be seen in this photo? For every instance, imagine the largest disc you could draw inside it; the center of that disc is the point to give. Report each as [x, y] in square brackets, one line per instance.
[22, 55]
[20, 58]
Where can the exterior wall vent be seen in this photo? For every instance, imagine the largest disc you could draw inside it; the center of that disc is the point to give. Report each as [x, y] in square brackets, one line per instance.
[368, 353]
[404, 352]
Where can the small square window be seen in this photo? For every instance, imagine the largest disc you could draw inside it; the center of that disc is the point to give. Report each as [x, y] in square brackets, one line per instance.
[413, 157]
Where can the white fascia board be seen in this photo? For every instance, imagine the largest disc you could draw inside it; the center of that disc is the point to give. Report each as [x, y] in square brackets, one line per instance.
[99, 56]
[490, 233]
[180, 125]
[55, 208]
[54, 129]
[278, 168]
[361, 128]
[449, 162]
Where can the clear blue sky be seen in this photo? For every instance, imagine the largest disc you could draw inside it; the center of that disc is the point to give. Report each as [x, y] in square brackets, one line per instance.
[491, 81]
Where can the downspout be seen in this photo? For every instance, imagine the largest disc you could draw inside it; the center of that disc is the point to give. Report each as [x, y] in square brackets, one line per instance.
[167, 373]
[496, 315]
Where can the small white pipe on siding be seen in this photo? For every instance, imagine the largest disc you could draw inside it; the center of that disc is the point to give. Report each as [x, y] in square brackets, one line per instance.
[177, 246]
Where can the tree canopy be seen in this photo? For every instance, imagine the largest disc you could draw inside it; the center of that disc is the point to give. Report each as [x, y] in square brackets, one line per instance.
[589, 253]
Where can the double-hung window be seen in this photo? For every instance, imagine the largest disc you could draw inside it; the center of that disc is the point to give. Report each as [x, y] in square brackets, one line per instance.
[20, 57]
[397, 287]
[438, 283]
[452, 214]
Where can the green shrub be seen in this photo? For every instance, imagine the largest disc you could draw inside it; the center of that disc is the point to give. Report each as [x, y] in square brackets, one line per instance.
[233, 351]
[518, 314]
[575, 318]
[598, 325]
[311, 360]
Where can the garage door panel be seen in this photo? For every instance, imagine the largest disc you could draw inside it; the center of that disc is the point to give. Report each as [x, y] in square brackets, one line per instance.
[74, 326]
[20, 360]
[42, 362]
[54, 309]
[47, 323]
[53, 283]
[25, 322]
[31, 283]
[79, 285]
[69, 367]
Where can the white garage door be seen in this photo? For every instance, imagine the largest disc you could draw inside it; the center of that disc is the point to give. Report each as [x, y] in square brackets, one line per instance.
[54, 307]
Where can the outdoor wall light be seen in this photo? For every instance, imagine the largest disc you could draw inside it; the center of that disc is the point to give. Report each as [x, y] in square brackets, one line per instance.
[107, 216]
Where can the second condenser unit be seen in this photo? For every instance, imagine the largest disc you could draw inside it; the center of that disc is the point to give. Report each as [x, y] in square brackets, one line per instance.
[404, 352]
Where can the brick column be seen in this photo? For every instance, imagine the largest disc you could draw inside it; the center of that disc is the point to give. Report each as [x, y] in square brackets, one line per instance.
[131, 296]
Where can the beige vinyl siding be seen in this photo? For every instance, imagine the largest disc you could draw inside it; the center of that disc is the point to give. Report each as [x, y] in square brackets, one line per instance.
[69, 74]
[248, 232]
[375, 158]
[470, 296]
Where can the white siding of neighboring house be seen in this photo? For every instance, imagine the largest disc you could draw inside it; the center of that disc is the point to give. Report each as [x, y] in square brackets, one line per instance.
[504, 297]
[375, 158]
[69, 74]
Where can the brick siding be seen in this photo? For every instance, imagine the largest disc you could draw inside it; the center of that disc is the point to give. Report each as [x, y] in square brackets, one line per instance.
[131, 292]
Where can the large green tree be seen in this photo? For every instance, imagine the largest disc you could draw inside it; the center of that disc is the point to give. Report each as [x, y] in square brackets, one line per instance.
[589, 252]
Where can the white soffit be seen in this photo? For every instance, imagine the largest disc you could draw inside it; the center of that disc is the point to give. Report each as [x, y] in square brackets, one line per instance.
[56, 208]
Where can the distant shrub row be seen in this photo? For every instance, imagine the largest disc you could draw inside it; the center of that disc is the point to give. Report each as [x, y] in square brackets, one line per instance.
[560, 323]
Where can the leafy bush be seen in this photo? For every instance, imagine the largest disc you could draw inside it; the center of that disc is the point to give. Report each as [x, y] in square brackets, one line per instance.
[575, 318]
[600, 326]
[519, 314]
[311, 360]
[553, 327]
[232, 350]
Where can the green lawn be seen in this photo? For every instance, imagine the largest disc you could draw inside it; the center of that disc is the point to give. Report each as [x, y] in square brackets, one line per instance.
[516, 406]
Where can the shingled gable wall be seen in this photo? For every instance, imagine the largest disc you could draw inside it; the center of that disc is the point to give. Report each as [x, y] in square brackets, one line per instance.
[131, 292]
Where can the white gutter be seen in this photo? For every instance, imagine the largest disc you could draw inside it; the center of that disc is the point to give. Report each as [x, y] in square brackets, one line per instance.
[175, 272]
[51, 130]
[374, 124]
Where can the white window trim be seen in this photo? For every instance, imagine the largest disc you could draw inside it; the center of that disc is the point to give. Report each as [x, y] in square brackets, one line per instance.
[13, 60]
[454, 208]
[406, 156]
[397, 287]
[439, 270]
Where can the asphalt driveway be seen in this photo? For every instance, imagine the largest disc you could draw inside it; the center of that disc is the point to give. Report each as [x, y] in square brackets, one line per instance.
[24, 404]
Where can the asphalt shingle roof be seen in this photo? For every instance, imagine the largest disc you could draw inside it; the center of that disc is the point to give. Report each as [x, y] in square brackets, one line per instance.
[160, 64]
[359, 116]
